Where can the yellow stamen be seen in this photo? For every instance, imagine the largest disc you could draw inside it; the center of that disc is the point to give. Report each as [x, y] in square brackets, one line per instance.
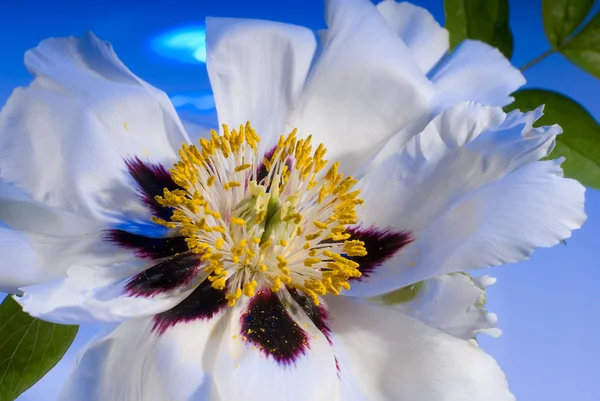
[254, 231]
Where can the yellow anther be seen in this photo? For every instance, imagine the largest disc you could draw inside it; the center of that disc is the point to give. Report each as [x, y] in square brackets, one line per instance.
[267, 164]
[243, 167]
[266, 245]
[313, 236]
[231, 184]
[211, 180]
[355, 248]
[281, 261]
[320, 225]
[238, 221]
[310, 262]
[340, 237]
[219, 283]
[164, 223]
[218, 229]
[250, 288]
[276, 285]
[212, 213]
[219, 243]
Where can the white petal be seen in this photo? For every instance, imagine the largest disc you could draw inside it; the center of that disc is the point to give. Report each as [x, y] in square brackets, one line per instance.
[470, 192]
[20, 212]
[385, 355]
[257, 70]
[63, 138]
[33, 237]
[476, 72]
[19, 264]
[242, 372]
[29, 259]
[96, 293]
[364, 86]
[453, 303]
[132, 363]
[423, 35]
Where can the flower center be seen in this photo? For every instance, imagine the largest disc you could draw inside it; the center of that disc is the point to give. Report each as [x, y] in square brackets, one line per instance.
[270, 224]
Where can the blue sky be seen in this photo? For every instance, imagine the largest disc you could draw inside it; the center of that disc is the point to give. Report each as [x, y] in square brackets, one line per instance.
[547, 306]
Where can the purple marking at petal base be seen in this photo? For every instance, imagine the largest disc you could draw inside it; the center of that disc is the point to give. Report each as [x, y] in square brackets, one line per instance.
[202, 304]
[317, 314]
[380, 244]
[269, 326]
[152, 179]
[147, 247]
[261, 170]
[165, 276]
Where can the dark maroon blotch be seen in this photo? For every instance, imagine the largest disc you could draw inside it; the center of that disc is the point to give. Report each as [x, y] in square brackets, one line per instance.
[317, 314]
[380, 244]
[202, 304]
[152, 179]
[269, 326]
[148, 247]
[167, 275]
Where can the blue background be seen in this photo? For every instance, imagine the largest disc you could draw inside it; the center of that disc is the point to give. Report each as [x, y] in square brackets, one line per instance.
[547, 306]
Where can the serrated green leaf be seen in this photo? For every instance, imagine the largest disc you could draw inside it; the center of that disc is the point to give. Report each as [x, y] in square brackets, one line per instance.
[580, 140]
[29, 348]
[583, 49]
[486, 21]
[562, 17]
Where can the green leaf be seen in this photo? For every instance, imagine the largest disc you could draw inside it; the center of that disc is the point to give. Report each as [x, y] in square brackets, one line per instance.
[583, 49]
[580, 140]
[29, 348]
[562, 17]
[484, 20]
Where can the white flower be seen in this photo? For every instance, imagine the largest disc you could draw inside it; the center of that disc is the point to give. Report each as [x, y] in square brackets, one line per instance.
[223, 285]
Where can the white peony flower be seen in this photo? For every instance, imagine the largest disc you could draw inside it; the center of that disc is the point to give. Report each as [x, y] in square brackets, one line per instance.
[221, 276]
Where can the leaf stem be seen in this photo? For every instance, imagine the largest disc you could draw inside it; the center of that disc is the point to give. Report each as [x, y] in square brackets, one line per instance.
[538, 59]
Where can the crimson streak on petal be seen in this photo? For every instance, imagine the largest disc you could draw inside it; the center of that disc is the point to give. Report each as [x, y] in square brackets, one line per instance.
[148, 247]
[165, 276]
[317, 314]
[152, 179]
[269, 326]
[202, 304]
[380, 244]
